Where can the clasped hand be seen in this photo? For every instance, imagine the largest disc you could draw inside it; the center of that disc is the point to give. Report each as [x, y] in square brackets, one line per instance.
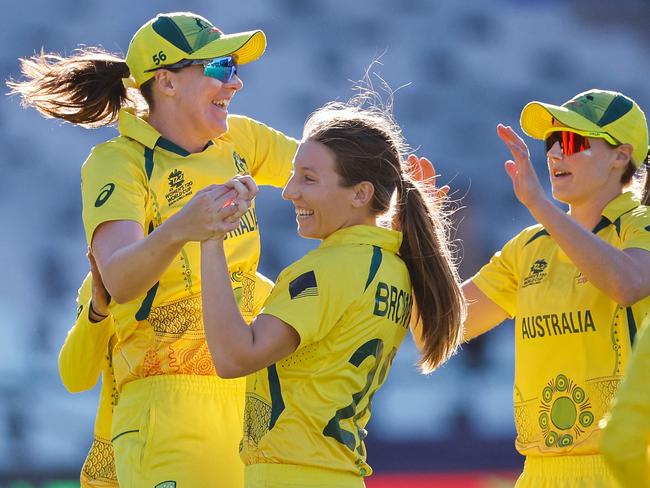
[216, 209]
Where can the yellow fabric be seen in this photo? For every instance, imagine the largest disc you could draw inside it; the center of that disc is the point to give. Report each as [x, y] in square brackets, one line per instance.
[626, 438]
[86, 352]
[291, 476]
[349, 300]
[566, 472]
[180, 428]
[140, 176]
[572, 342]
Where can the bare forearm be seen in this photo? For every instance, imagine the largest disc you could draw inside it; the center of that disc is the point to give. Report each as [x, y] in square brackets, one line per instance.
[133, 269]
[229, 338]
[610, 270]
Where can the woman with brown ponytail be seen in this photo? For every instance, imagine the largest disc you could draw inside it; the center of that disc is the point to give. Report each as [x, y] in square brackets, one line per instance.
[577, 284]
[330, 329]
[149, 196]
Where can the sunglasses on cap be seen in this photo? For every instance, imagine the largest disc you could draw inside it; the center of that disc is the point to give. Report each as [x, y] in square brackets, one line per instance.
[573, 141]
[222, 69]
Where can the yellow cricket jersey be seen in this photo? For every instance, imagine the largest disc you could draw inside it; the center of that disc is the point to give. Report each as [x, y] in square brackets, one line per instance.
[87, 352]
[626, 439]
[350, 302]
[572, 342]
[143, 177]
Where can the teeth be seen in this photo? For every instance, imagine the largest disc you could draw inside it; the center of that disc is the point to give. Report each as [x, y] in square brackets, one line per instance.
[301, 212]
[221, 103]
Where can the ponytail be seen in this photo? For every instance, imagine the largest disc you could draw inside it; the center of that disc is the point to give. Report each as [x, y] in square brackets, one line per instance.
[85, 88]
[434, 278]
[639, 179]
[368, 146]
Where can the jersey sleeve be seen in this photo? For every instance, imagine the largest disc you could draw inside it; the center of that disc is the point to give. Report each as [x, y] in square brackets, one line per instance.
[309, 298]
[625, 442]
[113, 187]
[636, 234]
[268, 152]
[499, 278]
[85, 347]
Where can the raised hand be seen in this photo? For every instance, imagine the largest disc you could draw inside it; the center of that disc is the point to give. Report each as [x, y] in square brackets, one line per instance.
[421, 169]
[525, 182]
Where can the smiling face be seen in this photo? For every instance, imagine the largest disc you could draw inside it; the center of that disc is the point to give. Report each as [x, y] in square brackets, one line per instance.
[203, 101]
[192, 106]
[583, 176]
[322, 205]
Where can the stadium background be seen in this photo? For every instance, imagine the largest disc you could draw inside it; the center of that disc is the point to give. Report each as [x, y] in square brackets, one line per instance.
[470, 64]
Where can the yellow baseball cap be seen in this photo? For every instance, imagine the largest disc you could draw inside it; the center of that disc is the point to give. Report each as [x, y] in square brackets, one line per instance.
[597, 112]
[173, 37]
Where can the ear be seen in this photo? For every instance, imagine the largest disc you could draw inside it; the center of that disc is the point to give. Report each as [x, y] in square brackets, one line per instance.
[623, 155]
[164, 82]
[363, 193]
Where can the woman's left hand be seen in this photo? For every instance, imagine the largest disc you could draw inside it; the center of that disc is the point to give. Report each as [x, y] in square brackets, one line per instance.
[525, 182]
[234, 208]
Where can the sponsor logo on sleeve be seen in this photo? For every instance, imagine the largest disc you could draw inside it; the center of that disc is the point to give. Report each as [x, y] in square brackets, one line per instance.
[104, 194]
[303, 286]
[166, 484]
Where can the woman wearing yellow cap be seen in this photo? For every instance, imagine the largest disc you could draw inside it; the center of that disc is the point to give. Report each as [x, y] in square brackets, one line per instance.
[87, 353]
[577, 283]
[149, 197]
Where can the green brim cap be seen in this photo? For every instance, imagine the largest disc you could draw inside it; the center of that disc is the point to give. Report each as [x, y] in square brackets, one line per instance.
[170, 38]
[597, 112]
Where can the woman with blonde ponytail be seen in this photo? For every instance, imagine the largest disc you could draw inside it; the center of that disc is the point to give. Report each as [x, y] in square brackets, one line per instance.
[150, 195]
[326, 338]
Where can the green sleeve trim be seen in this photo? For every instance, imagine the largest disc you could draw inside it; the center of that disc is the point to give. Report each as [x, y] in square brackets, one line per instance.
[277, 402]
[631, 324]
[539, 234]
[375, 263]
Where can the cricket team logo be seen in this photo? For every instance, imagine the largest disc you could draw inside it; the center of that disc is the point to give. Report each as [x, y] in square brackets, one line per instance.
[536, 274]
[240, 163]
[178, 187]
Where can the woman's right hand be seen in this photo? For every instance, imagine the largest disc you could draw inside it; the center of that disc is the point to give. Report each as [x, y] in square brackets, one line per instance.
[421, 169]
[211, 213]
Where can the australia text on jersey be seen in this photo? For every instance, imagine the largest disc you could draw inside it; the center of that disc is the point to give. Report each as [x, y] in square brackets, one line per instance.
[553, 324]
[247, 224]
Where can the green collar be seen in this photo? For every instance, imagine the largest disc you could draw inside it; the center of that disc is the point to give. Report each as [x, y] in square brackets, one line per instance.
[138, 129]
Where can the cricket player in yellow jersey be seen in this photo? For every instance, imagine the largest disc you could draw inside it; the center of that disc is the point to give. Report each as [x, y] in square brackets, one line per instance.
[577, 284]
[88, 351]
[327, 335]
[626, 435]
[149, 195]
